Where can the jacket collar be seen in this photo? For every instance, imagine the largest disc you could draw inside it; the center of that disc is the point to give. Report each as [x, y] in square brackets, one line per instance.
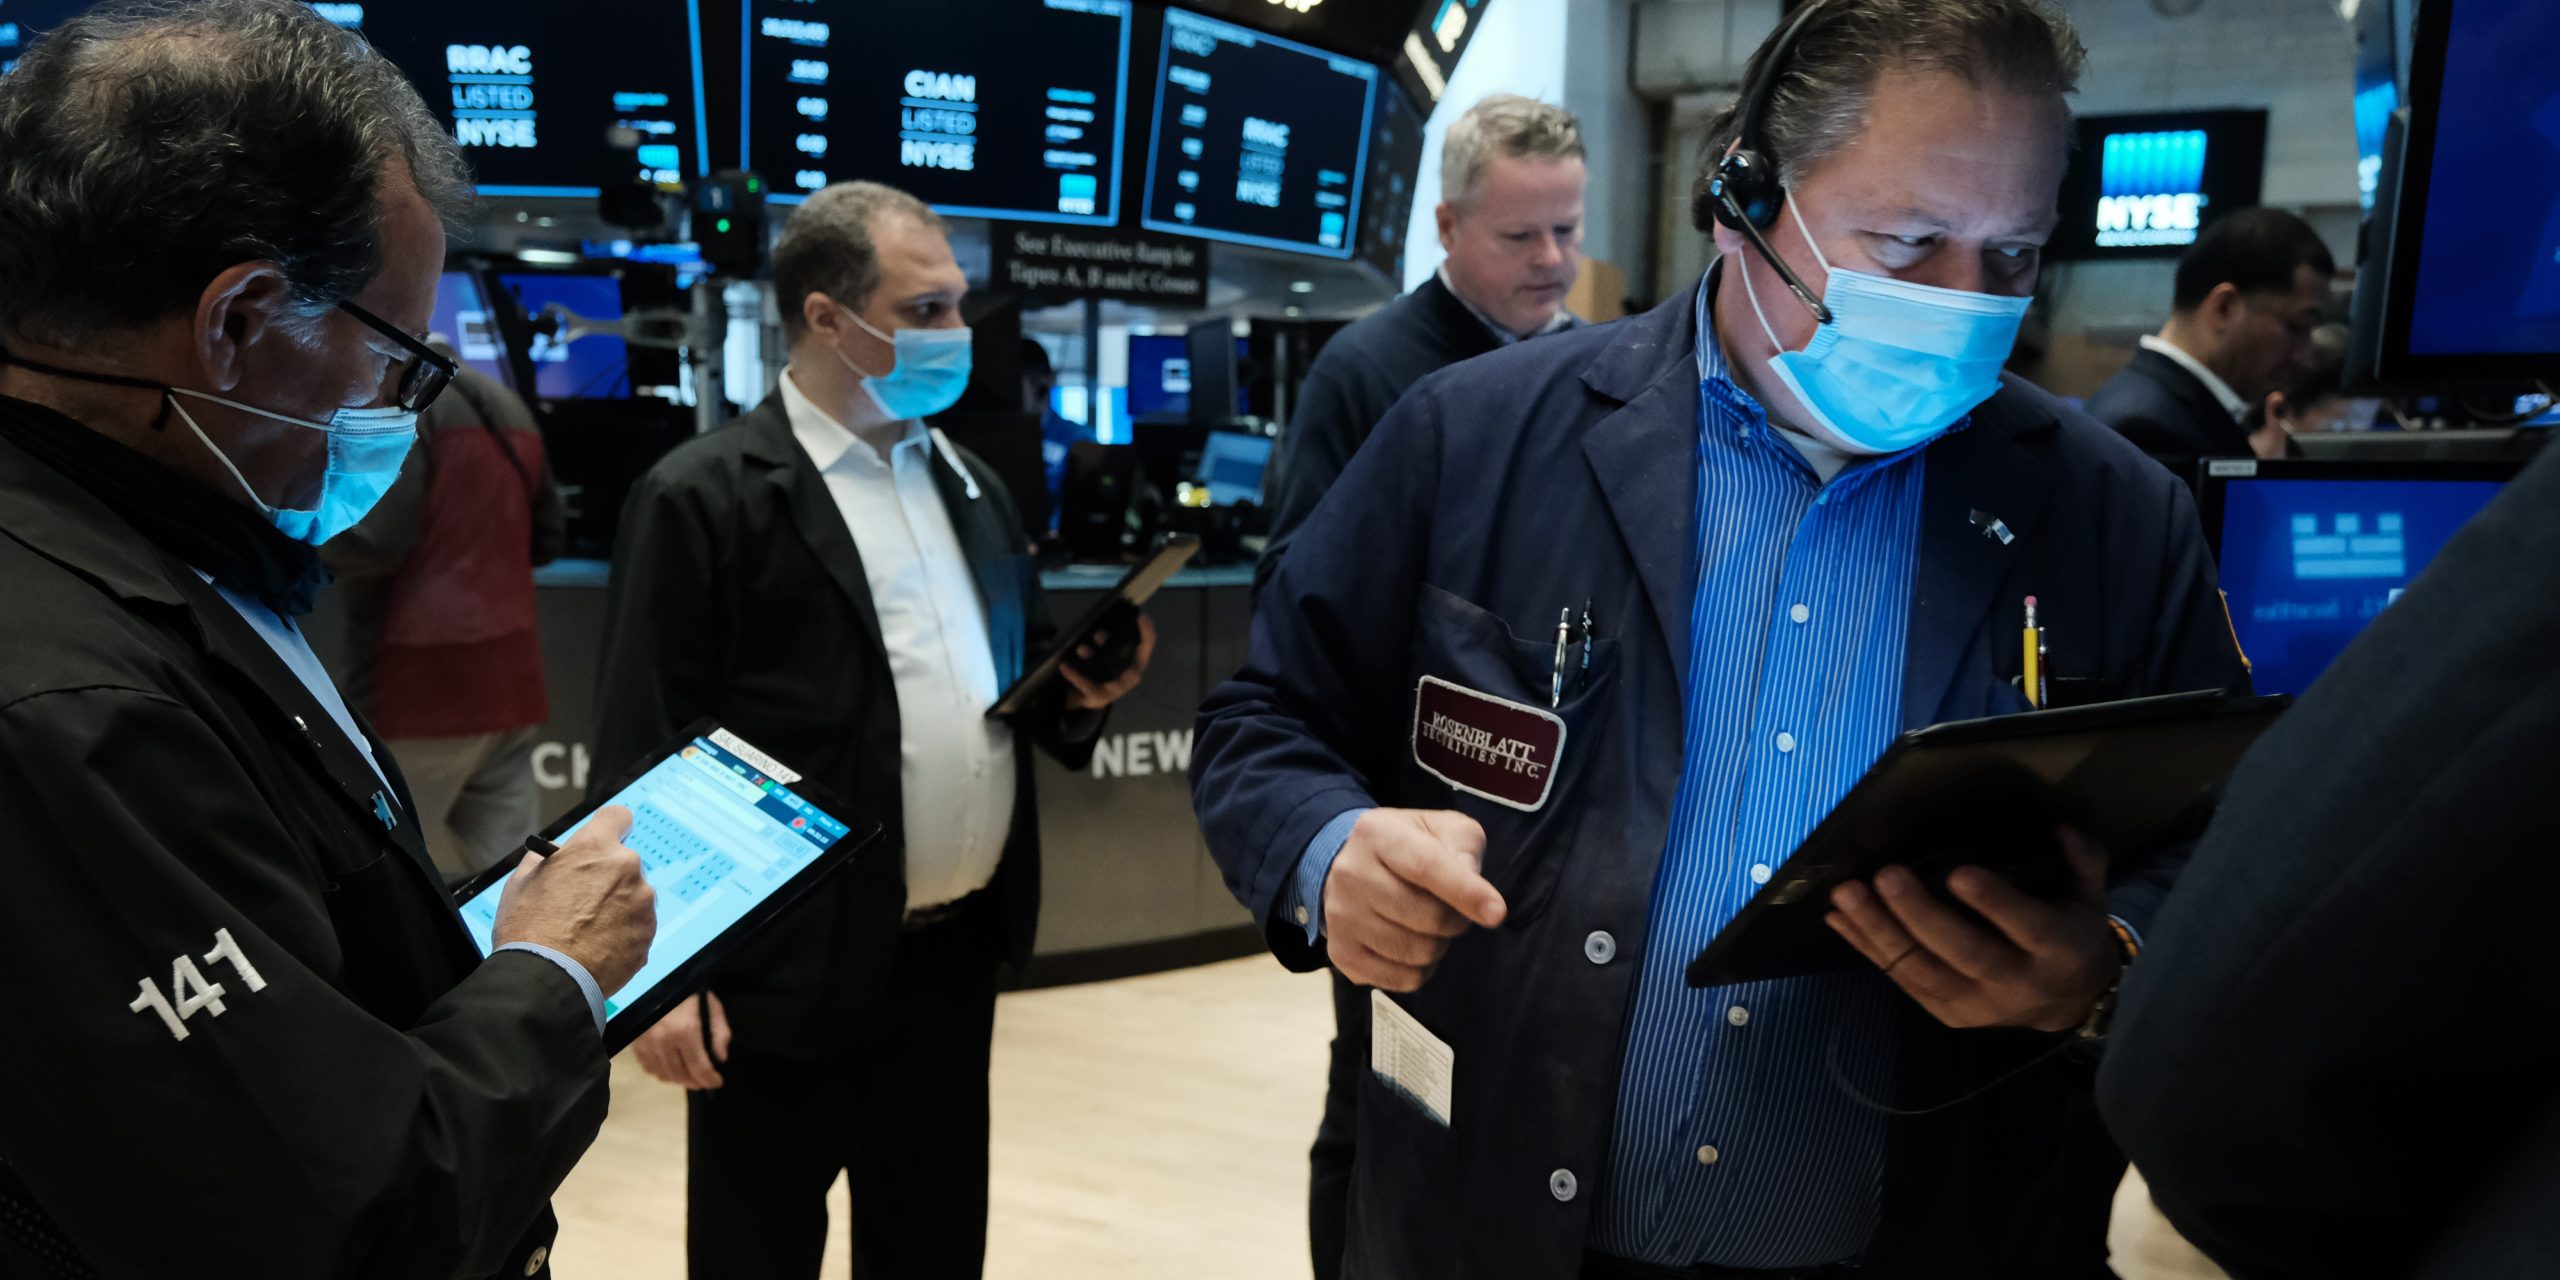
[771, 447]
[64, 523]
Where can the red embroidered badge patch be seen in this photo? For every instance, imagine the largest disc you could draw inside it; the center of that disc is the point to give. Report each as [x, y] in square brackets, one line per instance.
[1486, 746]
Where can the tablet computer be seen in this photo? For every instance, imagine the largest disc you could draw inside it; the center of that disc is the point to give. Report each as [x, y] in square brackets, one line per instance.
[729, 837]
[1989, 793]
[1135, 588]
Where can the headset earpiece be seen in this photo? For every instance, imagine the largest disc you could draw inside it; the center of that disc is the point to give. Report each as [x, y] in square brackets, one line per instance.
[1744, 191]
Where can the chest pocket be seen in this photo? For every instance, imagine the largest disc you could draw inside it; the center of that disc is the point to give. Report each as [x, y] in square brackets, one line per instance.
[1467, 666]
[2074, 663]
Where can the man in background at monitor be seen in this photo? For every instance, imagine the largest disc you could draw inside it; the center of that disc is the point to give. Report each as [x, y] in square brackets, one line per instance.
[247, 1032]
[1510, 215]
[1511, 178]
[842, 586]
[2249, 293]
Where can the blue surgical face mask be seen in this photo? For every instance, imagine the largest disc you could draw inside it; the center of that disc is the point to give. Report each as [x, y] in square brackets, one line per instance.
[932, 371]
[366, 448]
[1898, 363]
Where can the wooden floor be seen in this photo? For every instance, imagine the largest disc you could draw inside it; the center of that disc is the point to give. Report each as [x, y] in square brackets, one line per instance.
[1145, 1128]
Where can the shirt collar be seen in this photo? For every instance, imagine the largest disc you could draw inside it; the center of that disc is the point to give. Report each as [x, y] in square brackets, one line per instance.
[2222, 392]
[1560, 320]
[828, 441]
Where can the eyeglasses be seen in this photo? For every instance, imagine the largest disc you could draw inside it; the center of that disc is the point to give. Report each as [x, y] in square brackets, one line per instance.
[426, 375]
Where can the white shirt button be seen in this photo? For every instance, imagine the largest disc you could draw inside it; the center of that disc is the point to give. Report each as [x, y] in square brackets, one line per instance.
[1600, 948]
[1302, 915]
[1759, 873]
[1800, 615]
[1738, 1016]
[1709, 1155]
[1563, 1186]
[1786, 743]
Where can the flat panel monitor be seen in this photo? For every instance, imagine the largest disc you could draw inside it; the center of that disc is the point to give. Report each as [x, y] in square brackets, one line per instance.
[2474, 273]
[463, 323]
[1232, 464]
[1160, 375]
[2144, 186]
[2312, 551]
[530, 89]
[567, 366]
[981, 108]
[1257, 140]
[1395, 159]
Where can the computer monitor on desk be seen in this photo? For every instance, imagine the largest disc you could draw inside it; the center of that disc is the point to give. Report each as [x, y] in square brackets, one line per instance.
[1232, 464]
[2311, 552]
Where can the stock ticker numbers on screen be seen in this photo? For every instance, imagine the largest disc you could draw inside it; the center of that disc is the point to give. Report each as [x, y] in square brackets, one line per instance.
[530, 89]
[1257, 139]
[1027, 127]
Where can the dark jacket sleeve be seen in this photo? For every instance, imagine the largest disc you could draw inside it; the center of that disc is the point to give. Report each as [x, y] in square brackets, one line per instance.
[1337, 408]
[290, 1132]
[661, 665]
[1066, 736]
[2191, 645]
[2169, 444]
[1298, 735]
[2322, 1061]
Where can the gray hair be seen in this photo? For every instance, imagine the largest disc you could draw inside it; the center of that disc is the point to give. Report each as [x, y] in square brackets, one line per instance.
[1505, 124]
[145, 148]
[1821, 100]
[827, 247]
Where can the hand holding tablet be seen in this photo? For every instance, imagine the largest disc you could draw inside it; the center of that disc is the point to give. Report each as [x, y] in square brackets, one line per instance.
[726, 837]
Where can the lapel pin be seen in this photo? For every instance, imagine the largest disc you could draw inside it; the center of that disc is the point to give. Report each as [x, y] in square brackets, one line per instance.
[1992, 526]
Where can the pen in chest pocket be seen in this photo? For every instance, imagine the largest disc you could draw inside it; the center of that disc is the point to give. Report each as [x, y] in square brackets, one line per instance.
[1566, 633]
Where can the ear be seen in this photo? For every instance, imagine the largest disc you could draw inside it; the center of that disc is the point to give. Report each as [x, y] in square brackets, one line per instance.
[2278, 409]
[2221, 306]
[1446, 215]
[244, 305]
[821, 315]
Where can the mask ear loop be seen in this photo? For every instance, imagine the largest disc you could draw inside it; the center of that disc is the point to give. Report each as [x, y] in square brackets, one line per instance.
[169, 402]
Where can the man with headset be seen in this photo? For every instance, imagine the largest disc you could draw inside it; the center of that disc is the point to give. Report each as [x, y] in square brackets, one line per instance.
[1594, 630]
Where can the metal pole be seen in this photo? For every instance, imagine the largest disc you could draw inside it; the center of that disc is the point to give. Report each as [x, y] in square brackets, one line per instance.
[708, 353]
[1093, 415]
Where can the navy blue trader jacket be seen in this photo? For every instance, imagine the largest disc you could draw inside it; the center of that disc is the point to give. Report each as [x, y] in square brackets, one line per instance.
[1563, 470]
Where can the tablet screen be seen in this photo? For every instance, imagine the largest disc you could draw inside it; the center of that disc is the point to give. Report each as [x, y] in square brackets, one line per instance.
[717, 832]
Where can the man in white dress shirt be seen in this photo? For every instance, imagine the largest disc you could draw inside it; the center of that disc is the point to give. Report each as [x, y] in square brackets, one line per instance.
[835, 581]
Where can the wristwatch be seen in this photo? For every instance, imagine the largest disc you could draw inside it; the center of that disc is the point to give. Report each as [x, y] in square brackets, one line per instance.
[2103, 1013]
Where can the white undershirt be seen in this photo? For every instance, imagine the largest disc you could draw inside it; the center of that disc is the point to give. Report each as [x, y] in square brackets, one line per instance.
[2231, 401]
[955, 766]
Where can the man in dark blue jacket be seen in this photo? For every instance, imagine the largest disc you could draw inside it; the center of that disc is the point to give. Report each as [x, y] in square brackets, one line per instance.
[1594, 630]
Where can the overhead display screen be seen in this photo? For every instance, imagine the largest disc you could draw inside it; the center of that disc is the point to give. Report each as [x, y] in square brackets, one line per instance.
[2147, 185]
[981, 108]
[1257, 140]
[2482, 191]
[529, 88]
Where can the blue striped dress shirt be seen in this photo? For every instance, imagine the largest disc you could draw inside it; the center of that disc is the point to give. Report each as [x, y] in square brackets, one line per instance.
[1734, 1143]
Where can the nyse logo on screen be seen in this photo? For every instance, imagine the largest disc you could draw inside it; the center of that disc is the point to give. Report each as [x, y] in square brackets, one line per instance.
[938, 121]
[2150, 189]
[492, 86]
